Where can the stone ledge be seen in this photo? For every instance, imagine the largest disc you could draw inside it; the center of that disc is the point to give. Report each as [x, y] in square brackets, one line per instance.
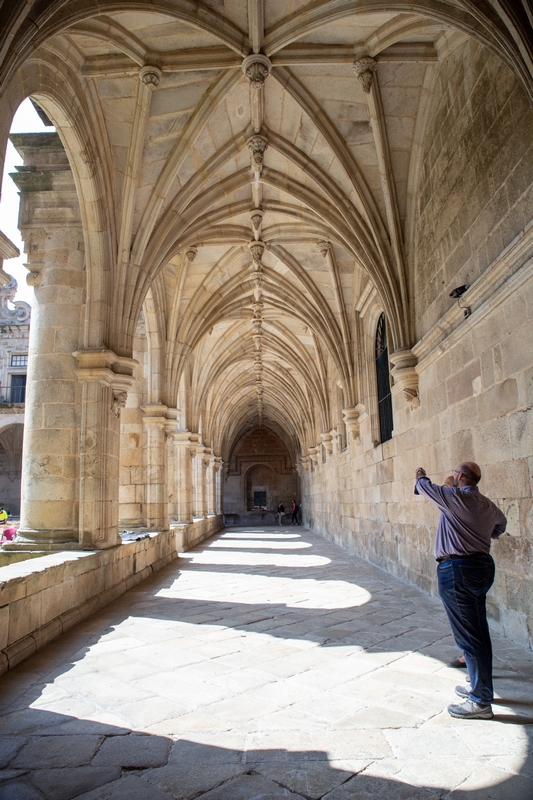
[42, 598]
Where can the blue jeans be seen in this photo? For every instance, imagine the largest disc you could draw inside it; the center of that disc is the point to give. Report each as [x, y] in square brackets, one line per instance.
[463, 587]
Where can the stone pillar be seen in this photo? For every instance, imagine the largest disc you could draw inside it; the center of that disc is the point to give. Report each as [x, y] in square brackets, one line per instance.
[172, 466]
[184, 452]
[200, 504]
[155, 422]
[105, 379]
[218, 480]
[50, 224]
[211, 485]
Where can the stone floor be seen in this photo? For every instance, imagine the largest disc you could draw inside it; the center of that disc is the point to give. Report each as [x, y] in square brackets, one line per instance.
[266, 664]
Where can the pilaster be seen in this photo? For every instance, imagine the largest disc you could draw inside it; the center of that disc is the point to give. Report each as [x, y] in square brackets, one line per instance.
[184, 452]
[155, 423]
[105, 379]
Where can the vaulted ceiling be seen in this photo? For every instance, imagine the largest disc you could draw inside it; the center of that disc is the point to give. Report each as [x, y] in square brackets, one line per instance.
[257, 166]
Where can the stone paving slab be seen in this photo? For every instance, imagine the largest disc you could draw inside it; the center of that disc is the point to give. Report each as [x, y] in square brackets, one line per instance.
[266, 664]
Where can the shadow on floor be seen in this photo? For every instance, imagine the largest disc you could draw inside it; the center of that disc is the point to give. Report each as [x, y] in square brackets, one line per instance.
[62, 756]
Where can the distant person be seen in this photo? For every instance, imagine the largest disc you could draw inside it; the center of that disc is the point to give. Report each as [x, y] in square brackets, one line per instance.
[8, 534]
[3, 515]
[281, 511]
[467, 523]
[294, 513]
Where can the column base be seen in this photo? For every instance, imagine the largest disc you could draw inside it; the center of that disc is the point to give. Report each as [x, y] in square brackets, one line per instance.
[180, 529]
[40, 546]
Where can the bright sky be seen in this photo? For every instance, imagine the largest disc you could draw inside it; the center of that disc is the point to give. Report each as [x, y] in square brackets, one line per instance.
[26, 120]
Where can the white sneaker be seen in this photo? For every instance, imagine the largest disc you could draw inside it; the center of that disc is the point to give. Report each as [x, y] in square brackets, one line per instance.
[470, 710]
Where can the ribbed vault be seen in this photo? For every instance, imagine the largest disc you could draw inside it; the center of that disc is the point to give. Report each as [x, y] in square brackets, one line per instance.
[257, 166]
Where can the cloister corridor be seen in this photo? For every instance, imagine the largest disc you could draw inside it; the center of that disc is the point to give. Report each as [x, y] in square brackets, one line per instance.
[266, 663]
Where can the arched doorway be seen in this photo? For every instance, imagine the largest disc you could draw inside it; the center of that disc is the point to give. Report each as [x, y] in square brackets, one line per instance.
[260, 475]
[11, 467]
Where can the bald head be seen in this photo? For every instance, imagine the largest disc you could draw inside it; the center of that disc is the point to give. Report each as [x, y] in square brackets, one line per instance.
[471, 473]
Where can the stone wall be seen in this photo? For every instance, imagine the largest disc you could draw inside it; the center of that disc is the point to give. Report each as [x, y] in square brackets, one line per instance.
[475, 372]
[41, 598]
[260, 461]
[475, 193]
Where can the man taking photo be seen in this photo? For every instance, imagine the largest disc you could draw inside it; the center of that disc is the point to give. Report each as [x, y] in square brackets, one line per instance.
[467, 523]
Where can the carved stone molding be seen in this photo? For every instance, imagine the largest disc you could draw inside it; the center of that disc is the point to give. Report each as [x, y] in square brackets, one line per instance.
[119, 402]
[323, 248]
[257, 145]
[256, 215]
[257, 68]
[327, 441]
[364, 70]
[20, 315]
[150, 76]
[34, 279]
[405, 376]
[351, 418]
[257, 248]
[190, 254]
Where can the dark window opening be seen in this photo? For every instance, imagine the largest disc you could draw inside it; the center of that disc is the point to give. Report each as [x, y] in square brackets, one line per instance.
[383, 377]
[260, 499]
[18, 389]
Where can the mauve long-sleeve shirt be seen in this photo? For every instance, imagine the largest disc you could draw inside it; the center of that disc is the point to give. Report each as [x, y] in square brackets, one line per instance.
[468, 520]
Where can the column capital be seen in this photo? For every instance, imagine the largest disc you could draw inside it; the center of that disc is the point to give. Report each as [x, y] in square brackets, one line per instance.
[327, 441]
[154, 414]
[185, 439]
[352, 420]
[108, 369]
[405, 376]
[105, 366]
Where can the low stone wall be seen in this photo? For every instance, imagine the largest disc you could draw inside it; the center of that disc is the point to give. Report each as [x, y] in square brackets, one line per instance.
[188, 536]
[41, 598]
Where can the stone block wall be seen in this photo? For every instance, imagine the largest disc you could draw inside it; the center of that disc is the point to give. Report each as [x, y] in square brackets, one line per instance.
[474, 227]
[475, 193]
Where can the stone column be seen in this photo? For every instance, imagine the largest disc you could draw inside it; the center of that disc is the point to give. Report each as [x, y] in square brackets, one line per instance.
[155, 422]
[200, 505]
[218, 480]
[184, 452]
[51, 227]
[172, 466]
[211, 486]
[105, 379]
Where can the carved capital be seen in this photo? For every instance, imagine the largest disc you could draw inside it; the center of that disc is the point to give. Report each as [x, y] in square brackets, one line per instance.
[257, 68]
[150, 76]
[190, 254]
[119, 402]
[323, 248]
[352, 420]
[405, 376]
[327, 441]
[364, 71]
[257, 145]
[34, 279]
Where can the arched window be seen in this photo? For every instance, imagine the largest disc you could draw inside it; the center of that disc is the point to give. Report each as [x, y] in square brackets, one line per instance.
[382, 372]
